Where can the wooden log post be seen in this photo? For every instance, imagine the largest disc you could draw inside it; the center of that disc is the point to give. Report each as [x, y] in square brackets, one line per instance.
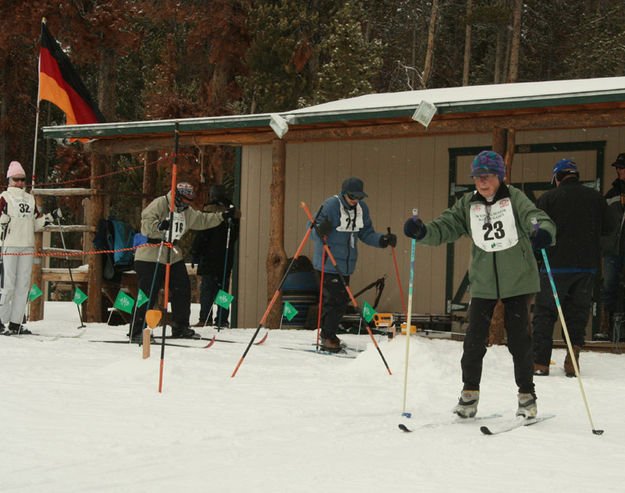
[276, 255]
[501, 141]
[36, 306]
[96, 211]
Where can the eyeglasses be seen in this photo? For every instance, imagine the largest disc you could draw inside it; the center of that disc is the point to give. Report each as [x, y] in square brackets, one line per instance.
[18, 179]
[483, 178]
[352, 197]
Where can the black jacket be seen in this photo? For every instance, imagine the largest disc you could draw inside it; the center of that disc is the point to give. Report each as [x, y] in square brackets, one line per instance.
[209, 246]
[581, 217]
[614, 243]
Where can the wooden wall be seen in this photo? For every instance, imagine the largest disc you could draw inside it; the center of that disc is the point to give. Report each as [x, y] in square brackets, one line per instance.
[398, 174]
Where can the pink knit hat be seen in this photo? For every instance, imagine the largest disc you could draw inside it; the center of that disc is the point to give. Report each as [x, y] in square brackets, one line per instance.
[15, 169]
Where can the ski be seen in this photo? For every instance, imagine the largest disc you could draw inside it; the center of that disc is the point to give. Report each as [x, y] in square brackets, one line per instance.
[453, 421]
[515, 423]
[343, 353]
[199, 338]
[174, 344]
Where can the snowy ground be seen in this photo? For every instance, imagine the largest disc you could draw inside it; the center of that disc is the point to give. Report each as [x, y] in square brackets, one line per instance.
[81, 416]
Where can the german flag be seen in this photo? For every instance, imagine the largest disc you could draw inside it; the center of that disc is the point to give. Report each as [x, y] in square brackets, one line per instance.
[60, 84]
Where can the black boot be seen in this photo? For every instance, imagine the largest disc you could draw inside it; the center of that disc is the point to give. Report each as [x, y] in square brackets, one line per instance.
[182, 332]
[18, 329]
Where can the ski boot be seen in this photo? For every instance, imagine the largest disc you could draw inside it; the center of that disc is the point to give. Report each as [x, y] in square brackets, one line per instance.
[467, 403]
[18, 329]
[527, 406]
[179, 332]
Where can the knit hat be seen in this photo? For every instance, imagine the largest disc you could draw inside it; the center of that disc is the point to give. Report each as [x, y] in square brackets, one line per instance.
[354, 187]
[15, 169]
[488, 163]
[620, 161]
[563, 168]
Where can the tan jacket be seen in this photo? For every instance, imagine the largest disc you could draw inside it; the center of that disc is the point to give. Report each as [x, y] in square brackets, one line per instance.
[157, 211]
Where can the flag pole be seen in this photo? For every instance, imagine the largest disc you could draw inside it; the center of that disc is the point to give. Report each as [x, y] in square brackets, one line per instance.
[32, 181]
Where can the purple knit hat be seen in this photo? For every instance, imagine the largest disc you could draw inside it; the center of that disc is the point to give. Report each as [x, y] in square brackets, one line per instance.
[488, 163]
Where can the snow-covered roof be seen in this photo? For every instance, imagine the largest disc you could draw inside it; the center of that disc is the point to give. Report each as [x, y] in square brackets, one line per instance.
[456, 100]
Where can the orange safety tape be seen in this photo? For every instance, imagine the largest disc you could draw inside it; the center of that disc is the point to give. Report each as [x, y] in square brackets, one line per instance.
[92, 252]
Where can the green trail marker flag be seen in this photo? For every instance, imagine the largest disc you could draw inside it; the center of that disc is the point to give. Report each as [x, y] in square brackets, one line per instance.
[79, 296]
[367, 311]
[34, 293]
[142, 299]
[289, 311]
[124, 302]
[223, 299]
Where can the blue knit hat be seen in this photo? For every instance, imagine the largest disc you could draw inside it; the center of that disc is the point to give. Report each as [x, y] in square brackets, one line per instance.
[562, 168]
[488, 163]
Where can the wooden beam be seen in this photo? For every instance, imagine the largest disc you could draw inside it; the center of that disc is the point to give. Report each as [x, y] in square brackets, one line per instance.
[96, 211]
[276, 255]
[559, 117]
[63, 192]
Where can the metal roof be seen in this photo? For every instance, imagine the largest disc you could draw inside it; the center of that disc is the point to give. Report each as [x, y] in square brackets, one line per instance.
[401, 105]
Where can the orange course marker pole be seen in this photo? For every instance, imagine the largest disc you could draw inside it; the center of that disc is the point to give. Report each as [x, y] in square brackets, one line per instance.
[277, 293]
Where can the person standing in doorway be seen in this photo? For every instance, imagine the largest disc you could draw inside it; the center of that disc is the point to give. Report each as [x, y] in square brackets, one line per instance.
[209, 253]
[613, 246]
[581, 217]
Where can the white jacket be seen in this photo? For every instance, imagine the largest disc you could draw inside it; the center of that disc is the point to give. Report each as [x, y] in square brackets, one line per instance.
[25, 219]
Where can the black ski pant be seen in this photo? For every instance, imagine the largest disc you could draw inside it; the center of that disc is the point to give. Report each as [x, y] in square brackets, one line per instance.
[516, 320]
[575, 295]
[179, 289]
[334, 303]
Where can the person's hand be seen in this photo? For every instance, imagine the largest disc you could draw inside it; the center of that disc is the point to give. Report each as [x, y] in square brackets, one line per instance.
[229, 213]
[57, 213]
[541, 238]
[389, 239]
[415, 229]
[5, 219]
[325, 227]
[163, 225]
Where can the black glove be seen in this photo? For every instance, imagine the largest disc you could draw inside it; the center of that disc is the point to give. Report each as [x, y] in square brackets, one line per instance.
[540, 238]
[415, 229]
[163, 225]
[57, 213]
[389, 239]
[325, 227]
[229, 213]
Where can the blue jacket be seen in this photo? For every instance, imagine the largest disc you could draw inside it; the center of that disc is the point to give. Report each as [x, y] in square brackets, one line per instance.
[350, 224]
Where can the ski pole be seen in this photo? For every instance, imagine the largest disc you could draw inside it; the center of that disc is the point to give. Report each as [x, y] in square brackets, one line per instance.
[415, 216]
[345, 285]
[566, 333]
[69, 268]
[158, 259]
[323, 265]
[401, 291]
[174, 172]
[275, 295]
[223, 280]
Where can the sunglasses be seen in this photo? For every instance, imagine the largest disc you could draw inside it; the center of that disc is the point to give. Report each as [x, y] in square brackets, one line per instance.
[352, 197]
[18, 179]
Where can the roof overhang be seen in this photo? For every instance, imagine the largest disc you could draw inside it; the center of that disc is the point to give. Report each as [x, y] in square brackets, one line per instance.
[470, 109]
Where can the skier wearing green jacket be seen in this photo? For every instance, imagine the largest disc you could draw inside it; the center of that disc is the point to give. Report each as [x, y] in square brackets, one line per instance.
[498, 219]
